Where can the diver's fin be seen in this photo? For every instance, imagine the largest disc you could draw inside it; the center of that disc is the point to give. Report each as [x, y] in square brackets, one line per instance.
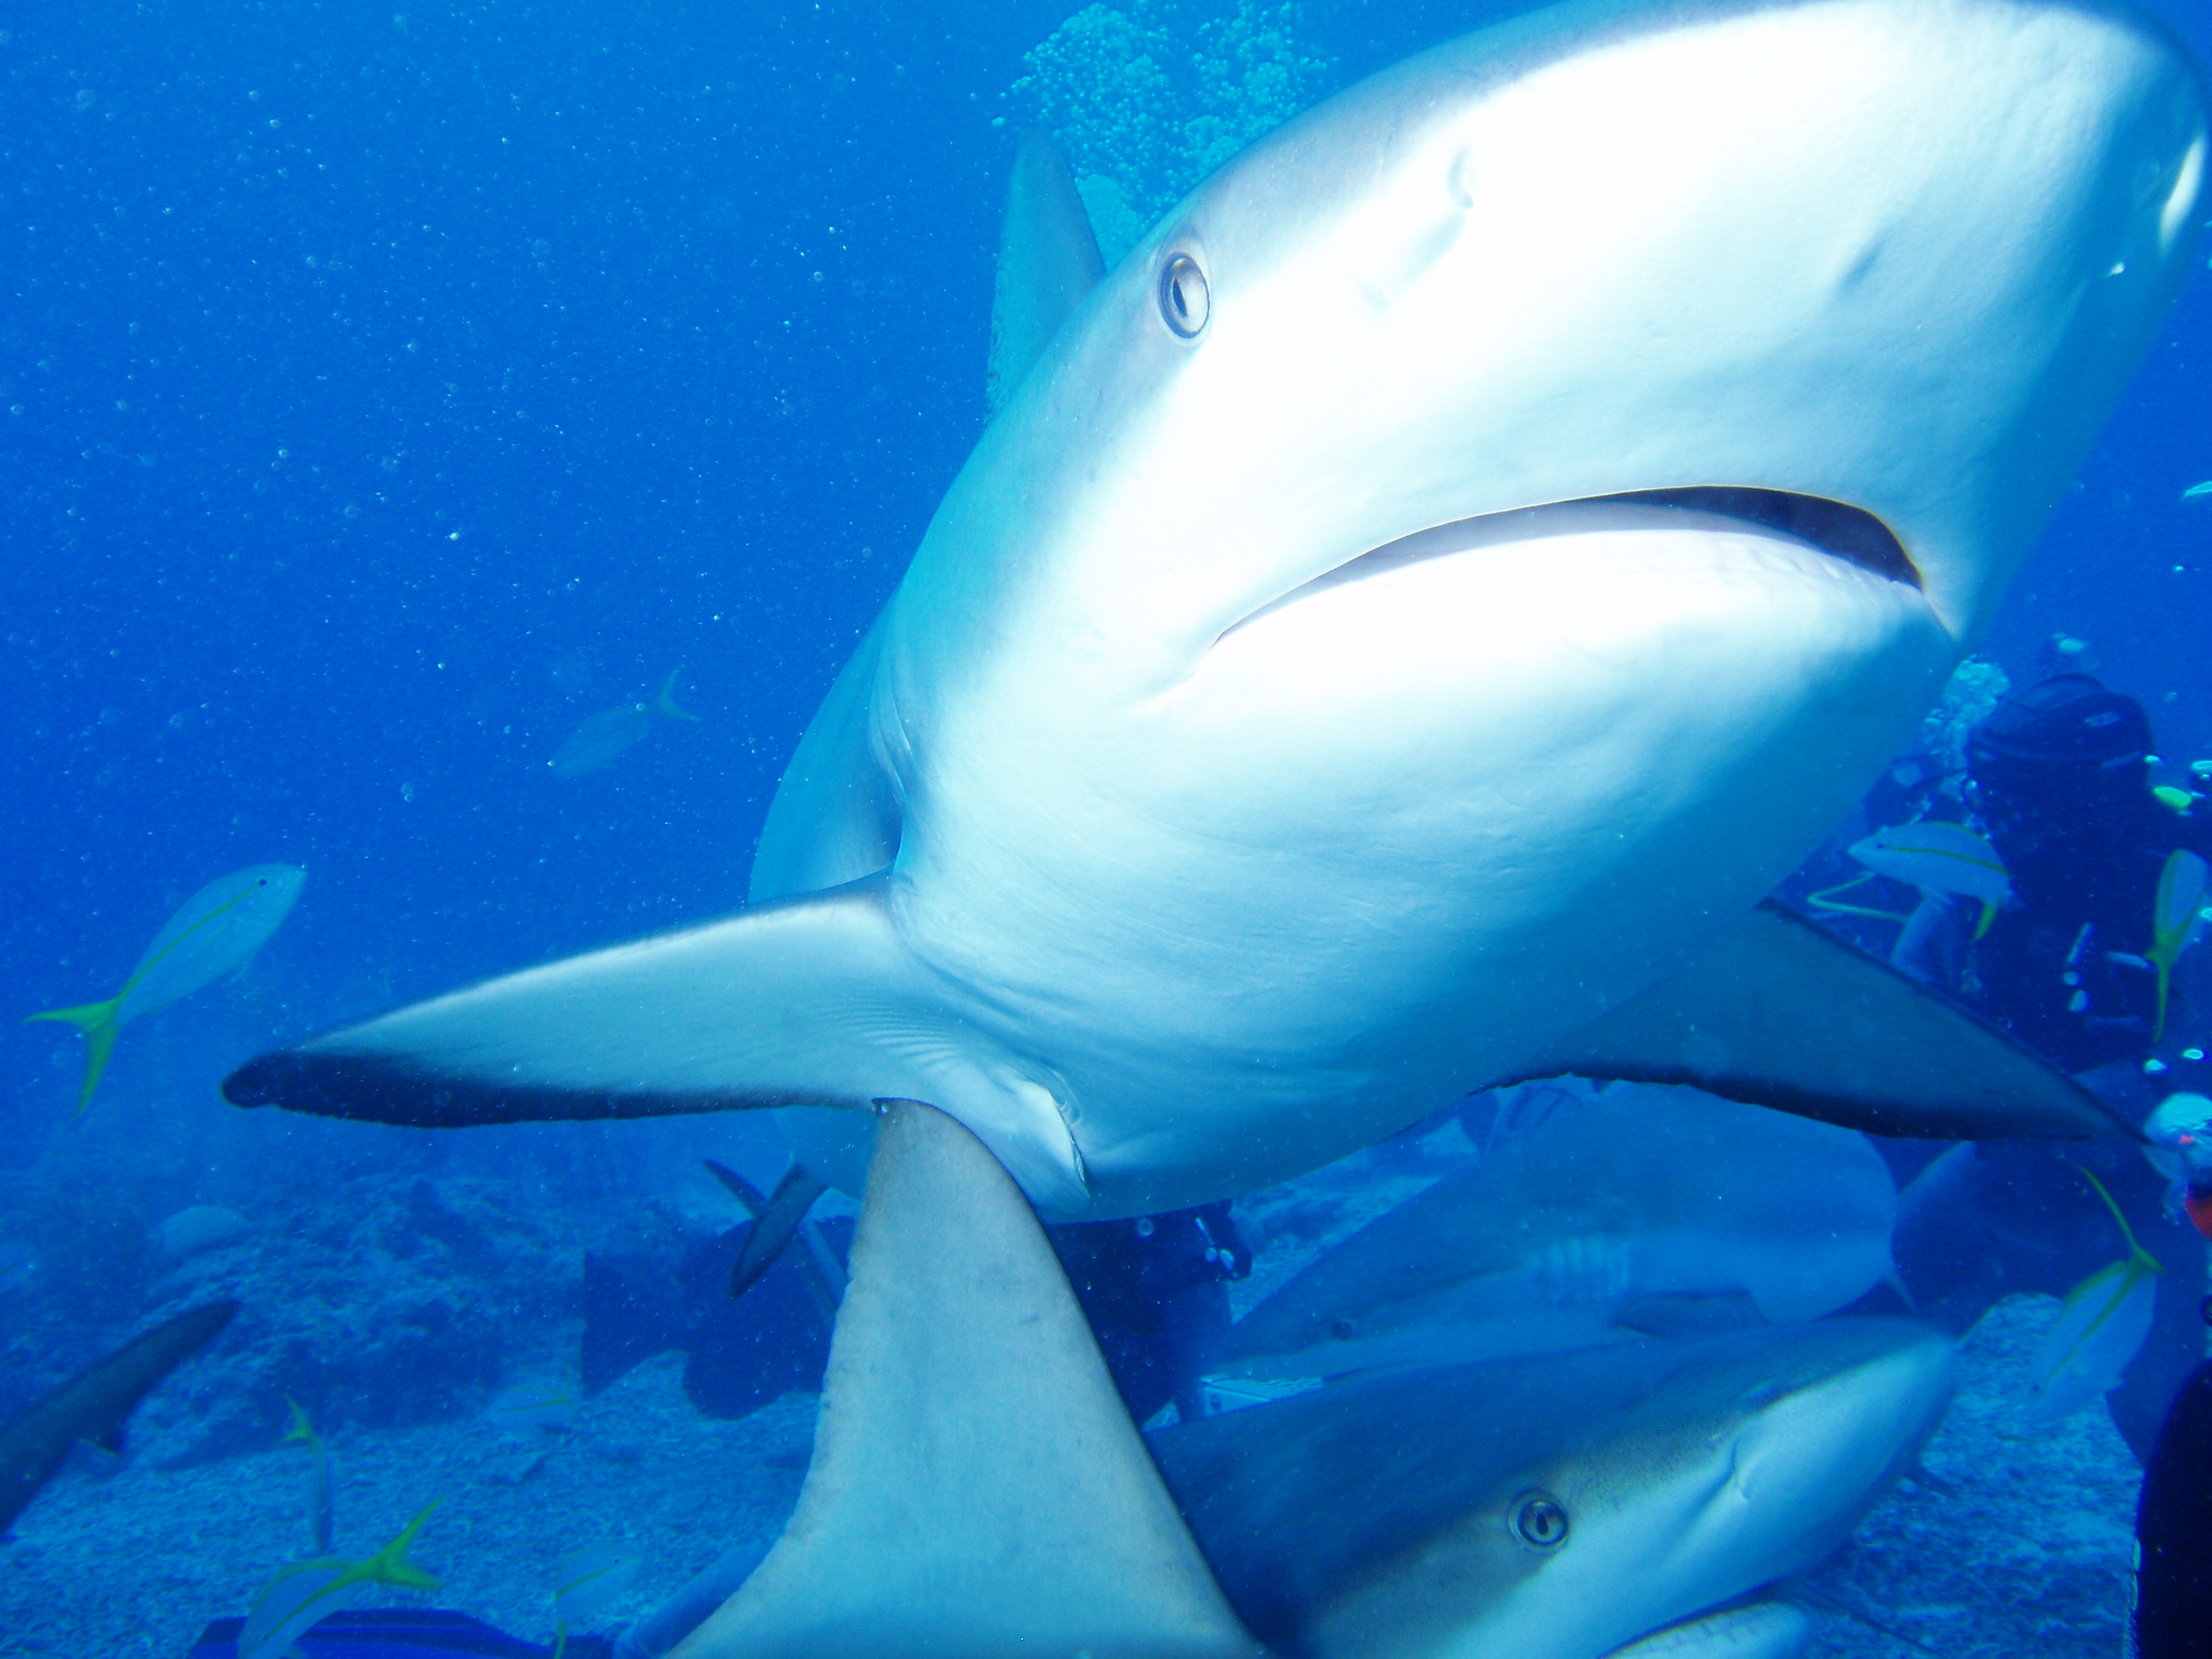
[96, 1021]
[747, 1195]
[772, 1230]
[1048, 260]
[978, 1491]
[1781, 1012]
[825, 1278]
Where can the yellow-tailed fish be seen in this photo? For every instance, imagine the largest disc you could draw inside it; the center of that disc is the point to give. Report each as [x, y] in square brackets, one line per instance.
[2197, 492]
[307, 1592]
[2099, 1329]
[2175, 797]
[1938, 857]
[586, 1585]
[2176, 914]
[613, 733]
[215, 930]
[302, 1432]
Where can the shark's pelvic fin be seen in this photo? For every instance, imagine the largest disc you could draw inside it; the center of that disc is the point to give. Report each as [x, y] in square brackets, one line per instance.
[1048, 260]
[1782, 1013]
[978, 1491]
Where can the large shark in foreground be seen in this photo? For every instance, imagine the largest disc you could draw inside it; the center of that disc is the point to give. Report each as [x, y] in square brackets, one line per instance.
[1420, 600]
[1385, 643]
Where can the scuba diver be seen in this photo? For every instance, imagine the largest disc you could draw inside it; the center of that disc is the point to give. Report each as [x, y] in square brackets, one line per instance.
[2079, 961]
[1156, 1290]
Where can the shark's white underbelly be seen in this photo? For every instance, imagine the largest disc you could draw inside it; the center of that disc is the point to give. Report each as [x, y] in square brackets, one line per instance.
[1399, 831]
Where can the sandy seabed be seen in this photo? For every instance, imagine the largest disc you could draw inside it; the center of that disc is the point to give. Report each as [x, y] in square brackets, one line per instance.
[2012, 1545]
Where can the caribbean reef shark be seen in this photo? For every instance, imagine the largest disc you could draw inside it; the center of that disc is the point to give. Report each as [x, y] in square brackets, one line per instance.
[1512, 1506]
[1631, 1207]
[96, 1403]
[1385, 643]
[1561, 1506]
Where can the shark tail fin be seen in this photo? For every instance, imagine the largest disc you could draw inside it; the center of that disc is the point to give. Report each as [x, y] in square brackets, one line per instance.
[977, 1488]
[664, 703]
[96, 1021]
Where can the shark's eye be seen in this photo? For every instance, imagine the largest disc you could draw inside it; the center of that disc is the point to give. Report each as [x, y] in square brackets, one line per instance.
[1539, 1521]
[1185, 300]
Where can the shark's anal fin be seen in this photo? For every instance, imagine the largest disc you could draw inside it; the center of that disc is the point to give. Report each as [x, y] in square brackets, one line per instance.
[1781, 1012]
[773, 1227]
[1048, 260]
[978, 1491]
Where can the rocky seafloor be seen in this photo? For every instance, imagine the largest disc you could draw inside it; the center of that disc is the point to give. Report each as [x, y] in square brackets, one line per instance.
[408, 1313]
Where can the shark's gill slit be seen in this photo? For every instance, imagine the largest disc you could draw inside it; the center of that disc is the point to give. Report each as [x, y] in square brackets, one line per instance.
[1846, 533]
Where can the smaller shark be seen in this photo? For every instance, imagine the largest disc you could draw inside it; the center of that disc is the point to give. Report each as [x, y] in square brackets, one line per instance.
[95, 1404]
[1560, 1506]
[1625, 1208]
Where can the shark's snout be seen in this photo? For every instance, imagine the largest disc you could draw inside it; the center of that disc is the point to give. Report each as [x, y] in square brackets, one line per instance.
[1844, 1436]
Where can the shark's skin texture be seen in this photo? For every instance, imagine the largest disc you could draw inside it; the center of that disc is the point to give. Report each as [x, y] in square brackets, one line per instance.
[1284, 726]
[1376, 1517]
[1242, 881]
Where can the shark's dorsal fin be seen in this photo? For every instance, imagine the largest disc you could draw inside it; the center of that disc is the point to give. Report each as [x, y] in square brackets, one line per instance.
[978, 1491]
[1048, 260]
[1781, 1012]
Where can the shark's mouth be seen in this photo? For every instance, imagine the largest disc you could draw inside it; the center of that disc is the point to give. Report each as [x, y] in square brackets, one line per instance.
[1849, 535]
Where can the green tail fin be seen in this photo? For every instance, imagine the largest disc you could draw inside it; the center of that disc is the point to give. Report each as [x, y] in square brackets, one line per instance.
[665, 702]
[96, 1021]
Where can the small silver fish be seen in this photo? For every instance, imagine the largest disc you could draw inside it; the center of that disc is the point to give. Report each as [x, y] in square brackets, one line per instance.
[613, 733]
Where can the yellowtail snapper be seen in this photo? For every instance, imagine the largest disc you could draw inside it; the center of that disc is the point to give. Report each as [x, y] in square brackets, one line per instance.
[215, 930]
[613, 733]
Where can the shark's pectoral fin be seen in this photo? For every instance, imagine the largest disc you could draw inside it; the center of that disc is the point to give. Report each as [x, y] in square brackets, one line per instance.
[977, 1490]
[1781, 1012]
[1048, 261]
[787, 1004]
[808, 1001]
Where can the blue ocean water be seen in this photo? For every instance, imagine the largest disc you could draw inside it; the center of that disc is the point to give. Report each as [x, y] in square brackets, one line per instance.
[387, 389]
